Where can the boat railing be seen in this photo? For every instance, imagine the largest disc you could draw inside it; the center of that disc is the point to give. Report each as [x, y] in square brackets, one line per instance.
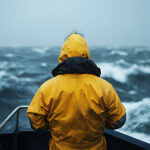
[15, 111]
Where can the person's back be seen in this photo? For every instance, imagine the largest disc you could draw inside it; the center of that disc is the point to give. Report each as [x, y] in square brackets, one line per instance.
[76, 104]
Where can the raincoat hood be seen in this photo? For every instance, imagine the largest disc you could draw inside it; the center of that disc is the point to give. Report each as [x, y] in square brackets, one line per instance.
[74, 46]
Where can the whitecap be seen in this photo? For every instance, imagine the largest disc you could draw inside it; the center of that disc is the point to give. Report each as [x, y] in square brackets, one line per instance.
[144, 61]
[137, 117]
[43, 64]
[2, 82]
[109, 48]
[122, 62]
[25, 80]
[2, 74]
[40, 49]
[145, 69]
[3, 64]
[117, 72]
[122, 53]
[9, 55]
[120, 73]
[137, 105]
[139, 49]
[132, 92]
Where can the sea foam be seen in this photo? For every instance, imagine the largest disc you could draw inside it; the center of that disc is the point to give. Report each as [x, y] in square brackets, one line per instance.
[3, 64]
[9, 55]
[122, 53]
[116, 72]
[138, 119]
[2, 74]
[120, 73]
[43, 64]
[40, 50]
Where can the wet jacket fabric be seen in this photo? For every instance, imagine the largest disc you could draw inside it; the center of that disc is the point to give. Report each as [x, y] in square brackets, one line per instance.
[76, 104]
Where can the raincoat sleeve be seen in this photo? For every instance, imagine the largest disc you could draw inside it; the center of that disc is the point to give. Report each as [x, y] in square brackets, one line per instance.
[116, 113]
[37, 112]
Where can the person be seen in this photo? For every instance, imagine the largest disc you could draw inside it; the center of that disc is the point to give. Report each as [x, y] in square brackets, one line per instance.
[76, 104]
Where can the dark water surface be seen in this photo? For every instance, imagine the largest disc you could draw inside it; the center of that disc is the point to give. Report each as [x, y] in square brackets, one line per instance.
[24, 69]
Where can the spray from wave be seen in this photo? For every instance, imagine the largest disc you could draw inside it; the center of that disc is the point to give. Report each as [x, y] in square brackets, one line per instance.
[138, 119]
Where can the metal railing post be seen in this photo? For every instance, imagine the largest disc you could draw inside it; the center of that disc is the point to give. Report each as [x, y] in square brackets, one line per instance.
[16, 110]
[17, 121]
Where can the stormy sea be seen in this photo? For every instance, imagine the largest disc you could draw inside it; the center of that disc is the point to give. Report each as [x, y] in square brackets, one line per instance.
[24, 69]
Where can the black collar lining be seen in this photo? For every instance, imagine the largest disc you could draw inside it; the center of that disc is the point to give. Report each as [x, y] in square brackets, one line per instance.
[77, 65]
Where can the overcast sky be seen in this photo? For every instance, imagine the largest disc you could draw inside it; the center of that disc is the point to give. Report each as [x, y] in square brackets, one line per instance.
[47, 22]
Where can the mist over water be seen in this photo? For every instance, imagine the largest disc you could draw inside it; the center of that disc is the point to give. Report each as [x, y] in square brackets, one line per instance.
[24, 69]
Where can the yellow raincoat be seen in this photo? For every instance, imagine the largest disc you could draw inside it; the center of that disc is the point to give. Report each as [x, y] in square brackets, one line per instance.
[76, 107]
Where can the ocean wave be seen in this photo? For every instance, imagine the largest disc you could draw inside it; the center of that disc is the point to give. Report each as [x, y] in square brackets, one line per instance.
[132, 92]
[3, 64]
[2, 74]
[144, 61]
[120, 73]
[115, 71]
[122, 62]
[141, 49]
[145, 69]
[9, 55]
[43, 64]
[40, 50]
[138, 118]
[122, 53]
[8, 80]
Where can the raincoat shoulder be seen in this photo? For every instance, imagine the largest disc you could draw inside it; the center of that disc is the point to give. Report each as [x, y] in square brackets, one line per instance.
[116, 112]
